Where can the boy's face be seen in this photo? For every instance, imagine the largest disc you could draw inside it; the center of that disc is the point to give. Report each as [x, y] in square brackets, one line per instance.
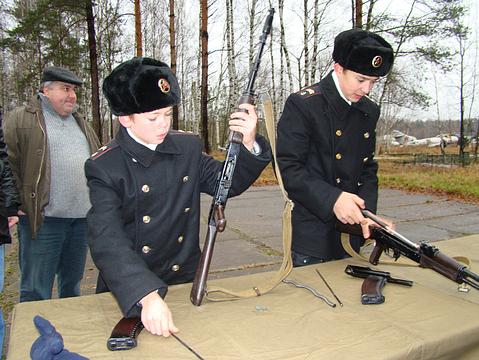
[150, 127]
[354, 85]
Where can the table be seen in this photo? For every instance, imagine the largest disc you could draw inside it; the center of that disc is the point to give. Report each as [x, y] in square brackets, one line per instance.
[430, 320]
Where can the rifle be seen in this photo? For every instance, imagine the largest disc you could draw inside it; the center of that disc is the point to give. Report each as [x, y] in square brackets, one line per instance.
[216, 218]
[371, 290]
[426, 255]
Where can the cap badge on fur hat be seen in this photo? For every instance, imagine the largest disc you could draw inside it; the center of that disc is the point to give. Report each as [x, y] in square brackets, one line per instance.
[164, 86]
[377, 61]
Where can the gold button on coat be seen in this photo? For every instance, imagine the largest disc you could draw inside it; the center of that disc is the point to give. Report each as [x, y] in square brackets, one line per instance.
[338, 156]
[338, 180]
[146, 249]
[339, 133]
[185, 178]
[146, 219]
[180, 239]
[145, 188]
[365, 159]
[187, 210]
[175, 267]
[366, 135]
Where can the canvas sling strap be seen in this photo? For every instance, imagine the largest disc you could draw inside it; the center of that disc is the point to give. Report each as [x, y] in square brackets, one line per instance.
[221, 294]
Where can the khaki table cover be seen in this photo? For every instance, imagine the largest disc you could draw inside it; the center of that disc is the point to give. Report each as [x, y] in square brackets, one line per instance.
[430, 320]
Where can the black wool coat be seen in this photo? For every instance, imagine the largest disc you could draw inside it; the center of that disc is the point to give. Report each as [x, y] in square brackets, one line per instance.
[143, 227]
[9, 195]
[325, 146]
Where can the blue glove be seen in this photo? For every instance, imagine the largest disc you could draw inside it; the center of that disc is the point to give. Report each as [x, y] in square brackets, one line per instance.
[49, 345]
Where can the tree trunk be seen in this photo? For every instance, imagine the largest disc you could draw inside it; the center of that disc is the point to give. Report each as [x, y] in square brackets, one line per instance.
[306, 43]
[95, 92]
[358, 23]
[138, 38]
[204, 74]
[173, 56]
[283, 44]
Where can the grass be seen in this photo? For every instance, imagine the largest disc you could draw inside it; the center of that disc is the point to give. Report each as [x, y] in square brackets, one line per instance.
[460, 183]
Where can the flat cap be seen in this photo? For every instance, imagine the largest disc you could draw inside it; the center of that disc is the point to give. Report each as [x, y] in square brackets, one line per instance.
[55, 73]
[363, 52]
[140, 85]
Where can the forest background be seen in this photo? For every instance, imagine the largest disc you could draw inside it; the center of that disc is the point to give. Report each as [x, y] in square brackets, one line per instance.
[210, 44]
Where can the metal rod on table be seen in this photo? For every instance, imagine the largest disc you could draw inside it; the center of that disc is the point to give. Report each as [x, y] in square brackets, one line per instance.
[187, 346]
[329, 287]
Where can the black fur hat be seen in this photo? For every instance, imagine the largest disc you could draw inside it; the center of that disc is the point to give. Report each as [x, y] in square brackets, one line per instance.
[363, 52]
[140, 85]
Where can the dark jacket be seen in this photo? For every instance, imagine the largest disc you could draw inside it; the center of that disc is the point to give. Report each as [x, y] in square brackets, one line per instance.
[143, 227]
[9, 196]
[29, 157]
[325, 146]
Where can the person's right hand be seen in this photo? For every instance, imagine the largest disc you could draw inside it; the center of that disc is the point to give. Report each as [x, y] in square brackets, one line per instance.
[156, 316]
[347, 208]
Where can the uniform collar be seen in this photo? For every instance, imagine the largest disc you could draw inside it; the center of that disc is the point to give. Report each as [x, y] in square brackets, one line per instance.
[338, 102]
[143, 154]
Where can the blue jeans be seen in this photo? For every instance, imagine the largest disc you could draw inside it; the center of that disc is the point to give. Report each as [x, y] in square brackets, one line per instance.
[59, 249]
[2, 274]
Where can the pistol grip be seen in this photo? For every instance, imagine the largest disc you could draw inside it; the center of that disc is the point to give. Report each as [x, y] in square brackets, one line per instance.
[376, 253]
[371, 290]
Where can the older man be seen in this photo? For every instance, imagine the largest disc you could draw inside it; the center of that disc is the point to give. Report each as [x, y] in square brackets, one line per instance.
[48, 143]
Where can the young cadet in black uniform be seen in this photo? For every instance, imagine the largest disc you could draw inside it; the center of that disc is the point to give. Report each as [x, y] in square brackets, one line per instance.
[326, 141]
[145, 185]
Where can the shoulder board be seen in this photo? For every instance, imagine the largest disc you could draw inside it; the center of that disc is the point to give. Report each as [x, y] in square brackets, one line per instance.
[309, 91]
[182, 132]
[103, 150]
[367, 97]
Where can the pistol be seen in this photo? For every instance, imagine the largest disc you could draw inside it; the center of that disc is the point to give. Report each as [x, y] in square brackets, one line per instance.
[375, 280]
[124, 334]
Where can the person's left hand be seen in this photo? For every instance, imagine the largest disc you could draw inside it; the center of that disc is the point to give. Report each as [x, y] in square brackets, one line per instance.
[366, 223]
[245, 123]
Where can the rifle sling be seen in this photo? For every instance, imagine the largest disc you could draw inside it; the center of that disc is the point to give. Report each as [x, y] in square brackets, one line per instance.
[221, 294]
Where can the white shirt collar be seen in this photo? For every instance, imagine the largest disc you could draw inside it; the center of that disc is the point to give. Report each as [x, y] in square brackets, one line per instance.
[149, 146]
[336, 82]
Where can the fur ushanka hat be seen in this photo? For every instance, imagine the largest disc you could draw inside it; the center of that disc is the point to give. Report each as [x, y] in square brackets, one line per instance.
[363, 52]
[141, 85]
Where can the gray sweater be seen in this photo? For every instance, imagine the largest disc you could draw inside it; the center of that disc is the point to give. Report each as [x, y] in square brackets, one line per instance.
[69, 150]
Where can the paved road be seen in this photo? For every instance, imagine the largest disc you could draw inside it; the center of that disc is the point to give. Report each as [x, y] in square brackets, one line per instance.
[252, 241]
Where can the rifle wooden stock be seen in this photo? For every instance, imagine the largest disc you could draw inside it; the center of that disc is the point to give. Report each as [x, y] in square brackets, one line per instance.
[198, 289]
[424, 254]
[216, 218]
[124, 334]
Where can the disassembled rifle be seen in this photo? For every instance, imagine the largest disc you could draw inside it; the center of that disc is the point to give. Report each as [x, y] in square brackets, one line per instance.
[425, 254]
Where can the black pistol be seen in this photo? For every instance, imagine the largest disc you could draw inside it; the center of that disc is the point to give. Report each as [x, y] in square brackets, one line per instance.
[123, 336]
[371, 290]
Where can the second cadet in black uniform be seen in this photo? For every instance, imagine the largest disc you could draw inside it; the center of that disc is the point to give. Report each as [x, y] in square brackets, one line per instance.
[145, 186]
[326, 143]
